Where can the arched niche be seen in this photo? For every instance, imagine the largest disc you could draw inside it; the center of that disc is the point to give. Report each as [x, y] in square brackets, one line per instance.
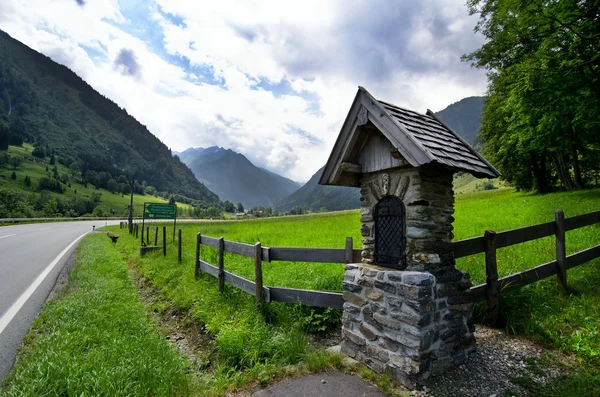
[390, 232]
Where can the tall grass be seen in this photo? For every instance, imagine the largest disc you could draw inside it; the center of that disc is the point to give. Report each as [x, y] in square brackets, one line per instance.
[96, 339]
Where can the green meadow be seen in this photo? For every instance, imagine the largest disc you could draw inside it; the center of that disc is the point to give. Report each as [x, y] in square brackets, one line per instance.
[245, 349]
[539, 311]
[116, 202]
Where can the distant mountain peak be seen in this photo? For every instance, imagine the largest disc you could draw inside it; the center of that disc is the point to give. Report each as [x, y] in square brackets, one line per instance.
[233, 177]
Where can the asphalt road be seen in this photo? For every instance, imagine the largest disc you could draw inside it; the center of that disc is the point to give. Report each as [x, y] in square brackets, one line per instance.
[31, 259]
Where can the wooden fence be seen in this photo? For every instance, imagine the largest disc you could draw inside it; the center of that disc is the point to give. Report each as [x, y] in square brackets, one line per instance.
[491, 241]
[488, 244]
[262, 254]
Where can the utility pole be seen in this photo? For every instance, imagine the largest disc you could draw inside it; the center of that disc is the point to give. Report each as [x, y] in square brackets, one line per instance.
[130, 215]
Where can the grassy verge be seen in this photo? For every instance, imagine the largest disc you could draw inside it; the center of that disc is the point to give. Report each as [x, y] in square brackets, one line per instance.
[96, 339]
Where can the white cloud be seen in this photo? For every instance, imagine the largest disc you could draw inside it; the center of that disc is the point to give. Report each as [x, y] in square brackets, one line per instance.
[271, 79]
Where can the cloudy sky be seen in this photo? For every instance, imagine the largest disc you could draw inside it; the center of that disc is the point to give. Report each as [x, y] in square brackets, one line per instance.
[272, 79]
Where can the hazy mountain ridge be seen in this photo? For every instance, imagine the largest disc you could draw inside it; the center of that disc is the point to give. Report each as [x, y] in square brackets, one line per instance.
[44, 102]
[463, 117]
[233, 177]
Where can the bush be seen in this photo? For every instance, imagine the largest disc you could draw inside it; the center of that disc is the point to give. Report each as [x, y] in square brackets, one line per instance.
[50, 184]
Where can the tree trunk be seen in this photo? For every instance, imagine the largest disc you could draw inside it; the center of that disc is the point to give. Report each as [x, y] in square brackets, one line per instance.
[539, 172]
[563, 171]
[576, 168]
[575, 156]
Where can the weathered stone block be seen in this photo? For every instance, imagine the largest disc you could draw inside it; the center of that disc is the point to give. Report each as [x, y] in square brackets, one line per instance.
[351, 309]
[394, 276]
[385, 286]
[368, 332]
[351, 287]
[387, 321]
[415, 320]
[379, 353]
[388, 344]
[418, 279]
[354, 338]
[354, 299]
[373, 295]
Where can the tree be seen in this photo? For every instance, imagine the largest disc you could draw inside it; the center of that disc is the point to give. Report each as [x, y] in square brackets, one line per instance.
[74, 168]
[52, 159]
[4, 137]
[14, 162]
[13, 176]
[543, 109]
[228, 206]
[150, 190]
[240, 207]
[27, 181]
[50, 209]
[112, 185]
[172, 200]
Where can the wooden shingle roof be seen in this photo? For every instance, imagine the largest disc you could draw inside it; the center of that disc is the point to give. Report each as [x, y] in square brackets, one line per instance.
[419, 138]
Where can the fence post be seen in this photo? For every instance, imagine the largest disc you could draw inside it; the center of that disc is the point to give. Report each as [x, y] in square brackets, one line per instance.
[561, 249]
[164, 241]
[348, 251]
[258, 279]
[156, 237]
[492, 289]
[221, 265]
[136, 230]
[147, 234]
[197, 264]
[179, 248]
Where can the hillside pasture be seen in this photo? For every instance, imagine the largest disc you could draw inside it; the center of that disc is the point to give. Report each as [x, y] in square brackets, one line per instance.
[116, 202]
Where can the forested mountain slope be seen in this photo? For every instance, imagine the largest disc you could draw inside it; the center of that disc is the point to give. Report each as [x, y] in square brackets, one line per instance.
[464, 117]
[47, 104]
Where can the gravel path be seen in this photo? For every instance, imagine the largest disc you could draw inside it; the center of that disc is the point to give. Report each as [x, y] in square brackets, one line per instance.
[490, 371]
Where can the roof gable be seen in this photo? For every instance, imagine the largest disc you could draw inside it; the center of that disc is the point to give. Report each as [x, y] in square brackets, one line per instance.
[418, 139]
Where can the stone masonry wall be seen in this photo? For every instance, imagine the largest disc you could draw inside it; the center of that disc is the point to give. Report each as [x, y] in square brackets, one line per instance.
[416, 322]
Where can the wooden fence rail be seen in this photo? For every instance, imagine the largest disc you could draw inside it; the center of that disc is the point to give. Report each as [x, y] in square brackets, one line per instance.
[264, 254]
[489, 243]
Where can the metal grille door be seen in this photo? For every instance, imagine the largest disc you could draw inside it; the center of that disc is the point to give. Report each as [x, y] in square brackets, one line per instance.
[390, 236]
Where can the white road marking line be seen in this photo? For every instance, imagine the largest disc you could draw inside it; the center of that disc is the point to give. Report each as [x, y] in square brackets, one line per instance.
[14, 309]
[8, 235]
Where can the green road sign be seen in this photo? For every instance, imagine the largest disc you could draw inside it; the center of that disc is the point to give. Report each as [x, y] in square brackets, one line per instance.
[160, 211]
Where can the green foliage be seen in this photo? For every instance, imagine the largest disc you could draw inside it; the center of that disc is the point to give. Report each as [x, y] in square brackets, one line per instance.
[13, 176]
[540, 120]
[27, 181]
[240, 207]
[50, 184]
[14, 162]
[96, 338]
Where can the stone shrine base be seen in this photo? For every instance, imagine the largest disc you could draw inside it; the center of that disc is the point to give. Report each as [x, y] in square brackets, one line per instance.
[404, 322]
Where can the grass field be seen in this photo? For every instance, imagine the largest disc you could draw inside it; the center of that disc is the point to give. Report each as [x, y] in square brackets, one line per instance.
[117, 202]
[247, 348]
[539, 311]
